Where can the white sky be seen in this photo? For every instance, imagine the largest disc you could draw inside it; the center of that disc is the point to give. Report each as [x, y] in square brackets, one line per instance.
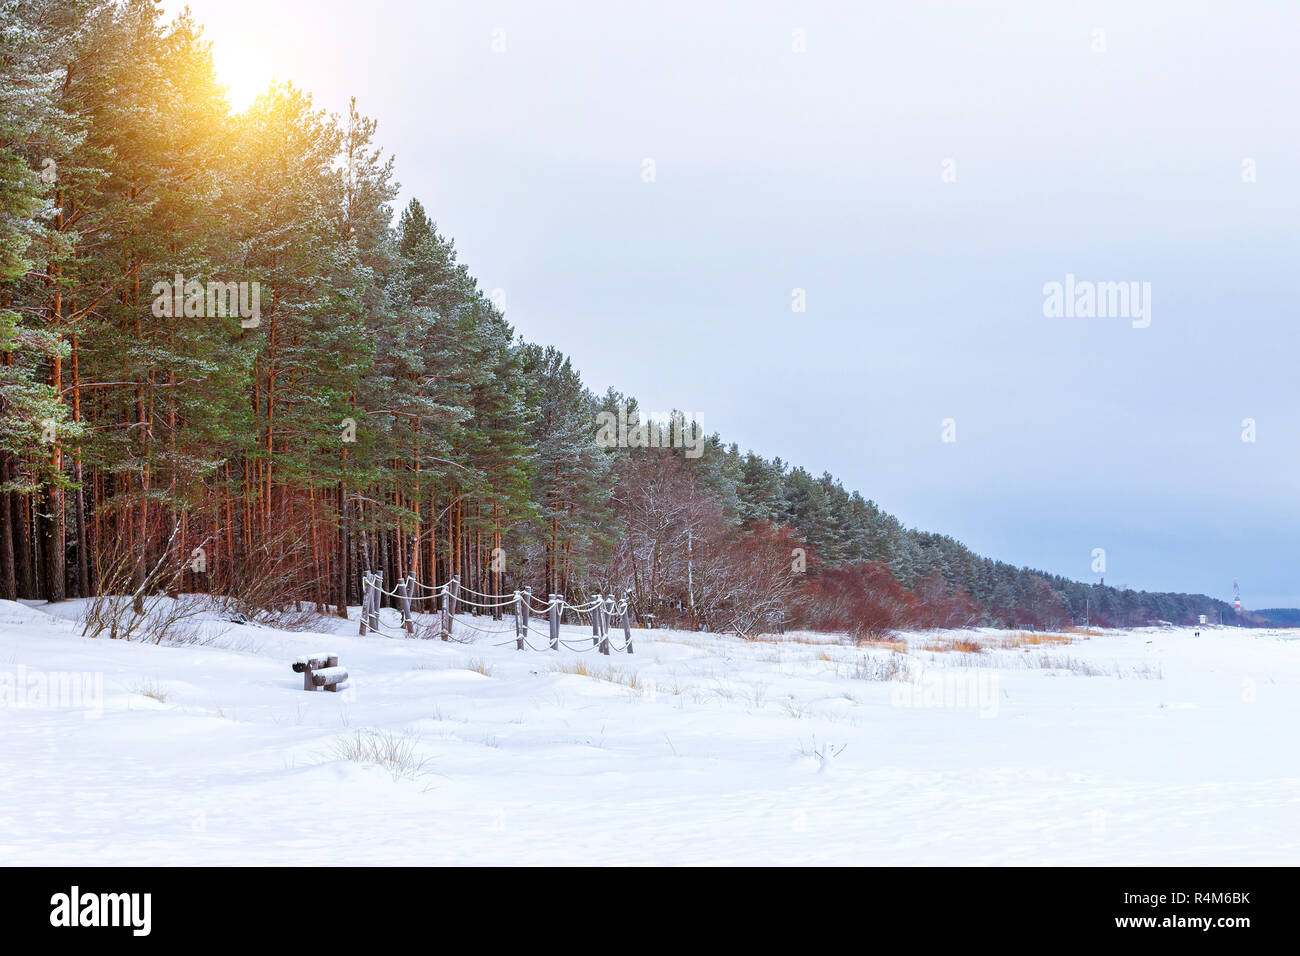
[821, 171]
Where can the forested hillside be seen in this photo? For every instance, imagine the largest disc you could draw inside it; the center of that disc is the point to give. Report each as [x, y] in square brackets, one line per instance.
[1279, 616]
[349, 399]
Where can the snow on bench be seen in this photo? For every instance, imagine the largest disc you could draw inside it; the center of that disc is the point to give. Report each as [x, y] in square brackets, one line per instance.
[312, 662]
[321, 670]
[330, 677]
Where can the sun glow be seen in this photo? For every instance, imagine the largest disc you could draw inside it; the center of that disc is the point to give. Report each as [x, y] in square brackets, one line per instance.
[246, 72]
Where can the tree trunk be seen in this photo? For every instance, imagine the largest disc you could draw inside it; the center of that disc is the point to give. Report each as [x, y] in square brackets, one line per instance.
[8, 575]
[83, 535]
[51, 531]
[20, 513]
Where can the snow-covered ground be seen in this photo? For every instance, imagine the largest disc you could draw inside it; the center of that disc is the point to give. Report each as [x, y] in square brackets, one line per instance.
[1142, 747]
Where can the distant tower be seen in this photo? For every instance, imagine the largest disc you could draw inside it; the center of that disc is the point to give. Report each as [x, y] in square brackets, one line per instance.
[1236, 595]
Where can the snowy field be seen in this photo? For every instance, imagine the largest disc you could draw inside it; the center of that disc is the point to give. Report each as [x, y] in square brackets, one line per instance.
[1145, 747]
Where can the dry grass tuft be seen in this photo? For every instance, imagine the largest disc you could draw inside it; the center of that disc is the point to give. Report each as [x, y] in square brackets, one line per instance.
[396, 753]
[1074, 665]
[1034, 639]
[479, 666]
[578, 667]
[610, 674]
[813, 638]
[890, 667]
[963, 645]
[151, 688]
[898, 647]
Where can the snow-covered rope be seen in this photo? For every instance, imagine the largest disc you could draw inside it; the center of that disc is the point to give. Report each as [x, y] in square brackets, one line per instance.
[399, 595]
[462, 589]
[506, 602]
[437, 589]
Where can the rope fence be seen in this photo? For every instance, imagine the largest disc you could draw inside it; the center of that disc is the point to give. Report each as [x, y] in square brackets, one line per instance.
[606, 614]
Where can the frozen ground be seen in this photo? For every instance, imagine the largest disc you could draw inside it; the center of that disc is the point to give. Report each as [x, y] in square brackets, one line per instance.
[1145, 747]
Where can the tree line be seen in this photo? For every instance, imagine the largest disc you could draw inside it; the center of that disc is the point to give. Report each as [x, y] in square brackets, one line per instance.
[226, 366]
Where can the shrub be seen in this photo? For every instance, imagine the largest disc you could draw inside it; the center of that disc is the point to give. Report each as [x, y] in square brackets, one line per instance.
[862, 600]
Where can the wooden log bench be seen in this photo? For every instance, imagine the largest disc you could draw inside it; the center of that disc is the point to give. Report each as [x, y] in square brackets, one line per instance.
[321, 670]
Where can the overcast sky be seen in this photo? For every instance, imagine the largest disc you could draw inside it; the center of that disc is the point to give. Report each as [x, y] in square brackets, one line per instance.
[1114, 156]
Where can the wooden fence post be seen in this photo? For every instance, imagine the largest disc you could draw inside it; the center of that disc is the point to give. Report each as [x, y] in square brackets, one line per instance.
[526, 607]
[412, 593]
[404, 605]
[449, 605]
[605, 608]
[365, 602]
[377, 586]
[595, 620]
[553, 616]
[519, 634]
[627, 622]
[444, 622]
